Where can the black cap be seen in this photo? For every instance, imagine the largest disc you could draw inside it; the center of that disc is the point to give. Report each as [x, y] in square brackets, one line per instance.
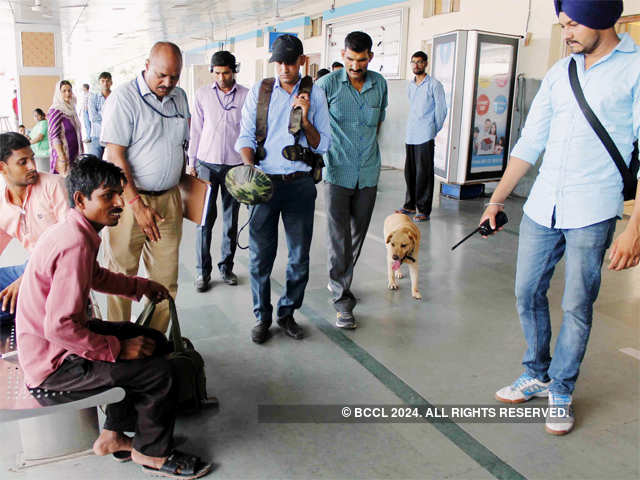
[286, 48]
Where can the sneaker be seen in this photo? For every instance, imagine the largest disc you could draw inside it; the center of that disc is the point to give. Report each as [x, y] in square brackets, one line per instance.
[345, 320]
[202, 283]
[559, 420]
[229, 278]
[260, 333]
[290, 327]
[523, 389]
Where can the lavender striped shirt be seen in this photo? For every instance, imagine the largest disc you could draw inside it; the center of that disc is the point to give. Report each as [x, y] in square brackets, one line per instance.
[215, 125]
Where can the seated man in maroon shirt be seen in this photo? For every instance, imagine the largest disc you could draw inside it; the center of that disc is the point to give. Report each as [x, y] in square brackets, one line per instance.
[59, 348]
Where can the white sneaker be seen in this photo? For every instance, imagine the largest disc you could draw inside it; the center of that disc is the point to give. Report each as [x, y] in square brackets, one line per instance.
[523, 389]
[560, 418]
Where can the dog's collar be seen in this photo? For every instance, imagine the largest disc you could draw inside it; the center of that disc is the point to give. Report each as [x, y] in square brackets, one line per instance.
[408, 256]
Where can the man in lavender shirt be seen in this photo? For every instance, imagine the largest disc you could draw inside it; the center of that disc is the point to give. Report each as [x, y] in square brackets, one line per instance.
[215, 126]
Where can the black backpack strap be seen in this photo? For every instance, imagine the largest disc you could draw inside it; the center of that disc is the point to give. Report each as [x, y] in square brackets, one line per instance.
[262, 111]
[627, 177]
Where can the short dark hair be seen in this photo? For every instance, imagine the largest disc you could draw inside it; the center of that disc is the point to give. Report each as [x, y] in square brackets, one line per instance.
[421, 54]
[223, 58]
[65, 82]
[86, 85]
[10, 142]
[90, 173]
[21, 126]
[337, 65]
[322, 72]
[104, 75]
[358, 42]
[40, 112]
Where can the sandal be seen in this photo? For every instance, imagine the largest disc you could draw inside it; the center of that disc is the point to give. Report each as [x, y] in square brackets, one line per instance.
[405, 211]
[420, 217]
[180, 465]
[121, 456]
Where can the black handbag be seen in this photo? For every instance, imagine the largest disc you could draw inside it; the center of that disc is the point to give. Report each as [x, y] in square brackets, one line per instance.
[630, 173]
[186, 362]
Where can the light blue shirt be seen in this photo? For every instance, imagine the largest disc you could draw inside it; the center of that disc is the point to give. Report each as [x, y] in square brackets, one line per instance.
[155, 132]
[278, 135]
[96, 102]
[577, 177]
[427, 110]
[354, 157]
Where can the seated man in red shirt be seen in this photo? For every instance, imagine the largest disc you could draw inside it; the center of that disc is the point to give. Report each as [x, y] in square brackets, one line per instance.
[57, 349]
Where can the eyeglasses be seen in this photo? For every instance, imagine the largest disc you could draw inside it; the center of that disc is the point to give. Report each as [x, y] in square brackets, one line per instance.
[419, 62]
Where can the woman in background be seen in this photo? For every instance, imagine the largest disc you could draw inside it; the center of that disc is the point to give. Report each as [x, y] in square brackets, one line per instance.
[40, 140]
[64, 129]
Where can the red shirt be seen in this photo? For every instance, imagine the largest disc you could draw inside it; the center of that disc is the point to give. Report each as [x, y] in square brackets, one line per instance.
[51, 315]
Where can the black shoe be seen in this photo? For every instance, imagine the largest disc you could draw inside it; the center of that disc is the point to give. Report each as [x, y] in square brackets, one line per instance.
[260, 333]
[202, 283]
[229, 278]
[290, 327]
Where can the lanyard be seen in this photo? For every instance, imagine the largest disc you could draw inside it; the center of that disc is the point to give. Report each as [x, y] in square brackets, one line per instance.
[229, 104]
[177, 115]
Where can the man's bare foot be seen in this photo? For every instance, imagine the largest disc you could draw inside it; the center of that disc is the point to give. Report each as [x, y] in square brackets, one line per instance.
[142, 459]
[110, 441]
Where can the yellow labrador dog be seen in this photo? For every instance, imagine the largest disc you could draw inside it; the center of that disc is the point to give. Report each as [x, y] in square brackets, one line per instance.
[402, 238]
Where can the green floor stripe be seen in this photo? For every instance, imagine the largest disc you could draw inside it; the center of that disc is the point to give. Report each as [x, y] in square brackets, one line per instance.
[465, 442]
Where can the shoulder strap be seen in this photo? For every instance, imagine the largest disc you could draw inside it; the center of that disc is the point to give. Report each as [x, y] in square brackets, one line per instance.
[262, 111]
[306, 84]
[627, 178]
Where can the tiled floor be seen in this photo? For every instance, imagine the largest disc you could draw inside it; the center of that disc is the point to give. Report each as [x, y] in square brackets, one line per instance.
[456, 346]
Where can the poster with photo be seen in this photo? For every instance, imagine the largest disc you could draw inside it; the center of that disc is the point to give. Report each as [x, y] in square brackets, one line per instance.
[489, 129]
[443, 71]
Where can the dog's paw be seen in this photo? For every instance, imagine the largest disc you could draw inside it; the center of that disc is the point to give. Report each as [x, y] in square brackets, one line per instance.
[392, 285]
[399, 274]
[416, 295]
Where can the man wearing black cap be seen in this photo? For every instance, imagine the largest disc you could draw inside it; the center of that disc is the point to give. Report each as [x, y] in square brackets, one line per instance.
[214, 131]
[294, 189]
[576, 199]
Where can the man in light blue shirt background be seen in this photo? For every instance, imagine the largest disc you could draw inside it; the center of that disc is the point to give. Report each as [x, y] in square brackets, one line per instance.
[427, 111]
[576, 199]
[294, 189]
[95, 106]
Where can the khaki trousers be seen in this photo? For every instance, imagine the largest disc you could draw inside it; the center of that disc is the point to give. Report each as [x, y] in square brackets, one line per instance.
[126, 242]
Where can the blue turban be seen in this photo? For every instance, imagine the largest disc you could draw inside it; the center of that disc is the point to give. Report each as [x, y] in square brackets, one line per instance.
[596, 14]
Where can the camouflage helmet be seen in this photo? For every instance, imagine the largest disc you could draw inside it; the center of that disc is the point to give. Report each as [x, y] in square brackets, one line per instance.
[249, 185]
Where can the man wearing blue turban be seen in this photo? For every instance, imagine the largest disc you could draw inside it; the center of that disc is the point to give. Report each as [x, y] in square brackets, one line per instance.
[575, 201]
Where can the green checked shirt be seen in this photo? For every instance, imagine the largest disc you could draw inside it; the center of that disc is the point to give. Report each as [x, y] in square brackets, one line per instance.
[354, 157]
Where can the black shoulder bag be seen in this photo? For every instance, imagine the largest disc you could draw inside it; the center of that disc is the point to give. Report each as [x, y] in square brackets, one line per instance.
[630, 173]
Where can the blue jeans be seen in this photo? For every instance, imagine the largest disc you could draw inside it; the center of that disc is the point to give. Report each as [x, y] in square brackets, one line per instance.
[94, 148]
[295, 201]
[539, 250]
[215, 174]
[8, 275]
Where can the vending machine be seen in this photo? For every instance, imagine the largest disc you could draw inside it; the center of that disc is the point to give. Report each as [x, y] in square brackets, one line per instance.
[478, 72]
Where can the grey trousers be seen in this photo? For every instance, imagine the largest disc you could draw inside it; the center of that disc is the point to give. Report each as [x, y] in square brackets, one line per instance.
[348, 215]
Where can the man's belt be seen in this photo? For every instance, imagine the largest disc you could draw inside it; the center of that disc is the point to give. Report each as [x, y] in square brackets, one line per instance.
[153, 193]
[289, 176]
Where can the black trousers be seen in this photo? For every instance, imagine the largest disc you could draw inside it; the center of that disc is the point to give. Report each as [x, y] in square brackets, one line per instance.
[418, 174]
[149, 406]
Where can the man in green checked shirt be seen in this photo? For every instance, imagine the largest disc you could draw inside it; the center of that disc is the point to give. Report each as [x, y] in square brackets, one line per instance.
[357, 101]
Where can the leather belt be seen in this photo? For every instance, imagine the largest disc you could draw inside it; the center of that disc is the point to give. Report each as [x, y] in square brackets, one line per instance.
[289, 176]
[152, 193]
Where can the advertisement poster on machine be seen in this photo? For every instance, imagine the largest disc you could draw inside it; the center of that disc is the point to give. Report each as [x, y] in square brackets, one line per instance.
[444, 56]
[489, 130]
